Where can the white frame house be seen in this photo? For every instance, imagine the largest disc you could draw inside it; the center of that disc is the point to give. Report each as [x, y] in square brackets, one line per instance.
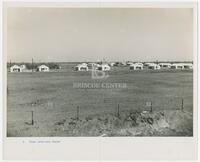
[15, 68]
[188, 66]
[82, 67]
[136, 66]
[154, 67]
[43, 68]
[165, 65]
[104, 67]
[93, 66]
[177, 66]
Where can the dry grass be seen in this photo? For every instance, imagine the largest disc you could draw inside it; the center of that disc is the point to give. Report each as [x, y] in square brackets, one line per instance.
[54, 101]
[129, 123]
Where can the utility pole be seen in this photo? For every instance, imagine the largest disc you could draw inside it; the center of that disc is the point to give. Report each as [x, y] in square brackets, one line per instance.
[32, 65]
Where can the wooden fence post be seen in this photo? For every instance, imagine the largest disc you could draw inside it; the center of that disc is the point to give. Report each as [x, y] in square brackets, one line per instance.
[118, 113]
[151, 107]
[77, 113]
[182, 107]
[32, 119]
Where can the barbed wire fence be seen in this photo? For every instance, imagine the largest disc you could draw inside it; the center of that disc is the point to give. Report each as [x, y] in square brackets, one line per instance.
[106, 105]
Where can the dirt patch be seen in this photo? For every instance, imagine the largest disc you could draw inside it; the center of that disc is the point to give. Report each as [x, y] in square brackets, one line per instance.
[159, 123]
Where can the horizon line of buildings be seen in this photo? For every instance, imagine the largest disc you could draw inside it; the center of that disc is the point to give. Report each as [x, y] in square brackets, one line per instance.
[132, 66]
[107, 66]
[22, 68]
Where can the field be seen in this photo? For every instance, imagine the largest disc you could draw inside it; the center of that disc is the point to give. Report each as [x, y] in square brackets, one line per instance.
[59, 109]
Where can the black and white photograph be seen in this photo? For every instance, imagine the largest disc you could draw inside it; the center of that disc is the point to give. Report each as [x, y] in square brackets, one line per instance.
[99, 72]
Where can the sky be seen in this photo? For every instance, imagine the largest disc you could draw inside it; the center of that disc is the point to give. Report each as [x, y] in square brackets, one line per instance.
[92, 34]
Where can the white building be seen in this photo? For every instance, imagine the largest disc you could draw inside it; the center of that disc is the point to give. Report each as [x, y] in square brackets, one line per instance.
[123, 63]
[23, 67]
[129, 63]
[188, 66]
[81, 67]
[93, 66]
[15, 68]
[112, 63]
[148, 63]
[43, 68]
[139, 63]
[177, 66]
[153, 66]
[104, 67]
[165, 65]
[137, 66]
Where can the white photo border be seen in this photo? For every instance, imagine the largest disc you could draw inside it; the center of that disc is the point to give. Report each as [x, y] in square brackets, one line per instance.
[102, 148]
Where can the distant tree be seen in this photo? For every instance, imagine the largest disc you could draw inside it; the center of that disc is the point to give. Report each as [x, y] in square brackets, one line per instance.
[52, 65]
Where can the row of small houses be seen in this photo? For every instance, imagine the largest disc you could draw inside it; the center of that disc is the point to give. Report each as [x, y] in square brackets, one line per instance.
[154, 66]
[90, 66]
[107, 67]
[22, 68]
[133, 66]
